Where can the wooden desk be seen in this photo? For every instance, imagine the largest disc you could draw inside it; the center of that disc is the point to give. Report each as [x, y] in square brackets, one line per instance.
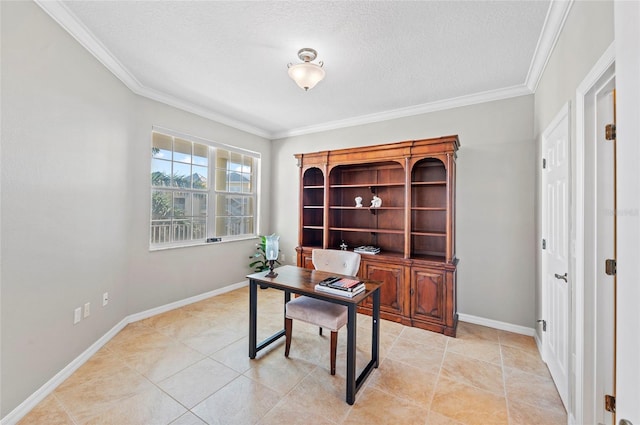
[301, 281]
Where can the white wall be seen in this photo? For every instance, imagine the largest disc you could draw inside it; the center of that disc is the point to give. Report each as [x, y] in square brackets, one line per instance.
[627, 16]
[75, 203]
[495, 197]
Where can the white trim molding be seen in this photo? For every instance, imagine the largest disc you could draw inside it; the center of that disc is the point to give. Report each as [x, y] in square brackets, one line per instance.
[70, 23]
[496, 324]
[553, 24]
[599, 69]
[424, 108]
[32, 401]
[554, 21]
[41, 393]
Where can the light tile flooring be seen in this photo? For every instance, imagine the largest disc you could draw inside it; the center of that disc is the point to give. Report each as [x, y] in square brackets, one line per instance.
[190, 366]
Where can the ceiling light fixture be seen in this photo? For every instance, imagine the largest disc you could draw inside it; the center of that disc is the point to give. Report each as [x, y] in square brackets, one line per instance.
[306, 74]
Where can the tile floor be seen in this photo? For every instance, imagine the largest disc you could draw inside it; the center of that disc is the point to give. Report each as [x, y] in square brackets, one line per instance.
[190, 366]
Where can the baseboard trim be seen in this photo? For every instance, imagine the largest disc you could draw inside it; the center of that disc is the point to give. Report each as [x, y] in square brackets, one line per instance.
[538, 342]
[496, 324]
[177, 304]
[41, 393]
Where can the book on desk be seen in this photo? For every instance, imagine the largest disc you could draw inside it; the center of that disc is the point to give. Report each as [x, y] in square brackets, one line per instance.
[340, 286]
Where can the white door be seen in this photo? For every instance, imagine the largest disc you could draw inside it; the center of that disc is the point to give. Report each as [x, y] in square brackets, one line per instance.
[555, 263]
[605, 250]
[627, 36]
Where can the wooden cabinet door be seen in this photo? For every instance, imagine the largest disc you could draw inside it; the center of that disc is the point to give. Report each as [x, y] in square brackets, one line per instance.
[392, 293]
[428, 294]
[304, 260]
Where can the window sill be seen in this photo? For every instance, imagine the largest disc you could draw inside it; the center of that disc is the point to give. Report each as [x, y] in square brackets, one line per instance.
[200, 243]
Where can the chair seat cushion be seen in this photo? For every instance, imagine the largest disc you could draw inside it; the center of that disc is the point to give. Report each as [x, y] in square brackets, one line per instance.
[317, 312]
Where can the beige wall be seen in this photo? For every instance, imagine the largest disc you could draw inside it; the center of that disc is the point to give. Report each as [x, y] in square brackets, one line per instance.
[75, 203]
[75, 193]
[495, 197]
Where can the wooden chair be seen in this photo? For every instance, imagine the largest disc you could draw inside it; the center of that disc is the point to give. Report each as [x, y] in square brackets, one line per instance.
[323, 313]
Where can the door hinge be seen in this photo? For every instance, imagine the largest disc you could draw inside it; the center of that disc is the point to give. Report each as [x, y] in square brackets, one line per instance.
[610, 132]
[412, 291]
[610, 267]
[544, 324]
[544, 163]
[610, 403]
[544, 244]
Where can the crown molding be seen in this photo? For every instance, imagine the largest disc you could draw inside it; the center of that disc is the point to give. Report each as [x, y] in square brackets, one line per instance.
[201, 111]
[554, 21]
[440, 105]
[70, 23]
[551, 29]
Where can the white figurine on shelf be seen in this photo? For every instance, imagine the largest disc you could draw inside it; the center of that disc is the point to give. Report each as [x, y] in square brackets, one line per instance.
[376, 202]
[358, 201]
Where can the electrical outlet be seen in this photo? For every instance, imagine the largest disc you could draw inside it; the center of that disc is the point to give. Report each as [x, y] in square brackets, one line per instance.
[282, 258]
[105, 299]
[77, 315]
[87, 310]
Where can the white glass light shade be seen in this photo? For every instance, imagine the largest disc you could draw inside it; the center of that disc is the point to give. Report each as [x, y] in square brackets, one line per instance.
[306, 74]
[271, 247]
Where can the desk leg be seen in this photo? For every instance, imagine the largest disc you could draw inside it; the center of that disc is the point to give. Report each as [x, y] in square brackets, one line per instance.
[253, 316]
[351, 354]
[375, 330]
[287, 298]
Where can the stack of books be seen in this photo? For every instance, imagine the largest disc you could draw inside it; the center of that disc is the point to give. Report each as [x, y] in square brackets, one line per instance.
[367, 249]
[340, 286]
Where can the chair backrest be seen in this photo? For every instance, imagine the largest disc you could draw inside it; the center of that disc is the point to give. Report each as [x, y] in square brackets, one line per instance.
[335, 261]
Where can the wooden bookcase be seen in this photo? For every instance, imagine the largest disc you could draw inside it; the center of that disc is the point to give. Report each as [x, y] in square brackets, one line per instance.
[414, 227]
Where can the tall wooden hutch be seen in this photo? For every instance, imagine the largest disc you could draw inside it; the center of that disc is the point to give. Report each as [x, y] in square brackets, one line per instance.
[414, 227]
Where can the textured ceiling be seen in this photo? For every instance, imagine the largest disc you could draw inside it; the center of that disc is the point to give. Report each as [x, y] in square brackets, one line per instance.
[228, 59]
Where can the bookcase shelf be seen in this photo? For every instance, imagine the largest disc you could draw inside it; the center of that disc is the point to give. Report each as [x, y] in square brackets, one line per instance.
[414, 227]
[342, 207]
[438, 183]
[366, 185]
[437, 234]
[371, 230]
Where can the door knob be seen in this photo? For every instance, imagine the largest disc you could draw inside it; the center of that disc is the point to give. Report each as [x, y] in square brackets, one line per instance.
[624, 422]
[561, 276]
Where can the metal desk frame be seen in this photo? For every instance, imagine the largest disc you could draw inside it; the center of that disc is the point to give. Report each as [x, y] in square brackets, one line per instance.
[297, 280]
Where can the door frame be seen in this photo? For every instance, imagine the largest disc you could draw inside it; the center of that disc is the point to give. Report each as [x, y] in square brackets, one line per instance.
[627, 35]
[584, 242]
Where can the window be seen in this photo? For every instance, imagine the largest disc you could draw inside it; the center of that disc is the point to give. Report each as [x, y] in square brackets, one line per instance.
[200, 190]
[234, 194]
